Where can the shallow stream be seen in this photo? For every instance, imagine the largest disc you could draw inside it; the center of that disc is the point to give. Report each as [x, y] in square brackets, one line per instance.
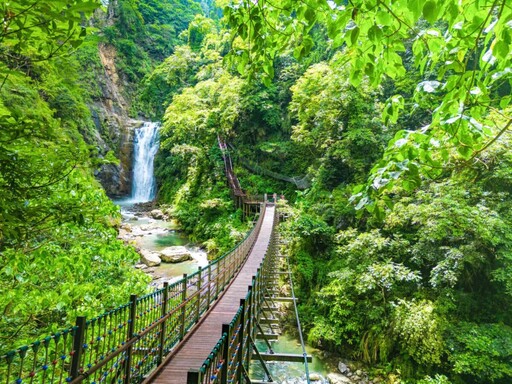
[291, 373]
[154, 235]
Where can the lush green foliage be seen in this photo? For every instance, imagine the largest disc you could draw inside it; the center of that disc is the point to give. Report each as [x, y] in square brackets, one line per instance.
[59, 256]
[193, 168]
[461, 50]
[185, 67]
[426, 288]
[144, 33]
[335, 122]
[423, 287]
[40, 30]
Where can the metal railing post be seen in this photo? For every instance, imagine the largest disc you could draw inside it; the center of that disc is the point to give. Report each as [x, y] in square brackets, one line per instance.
[129, 334]
[231, 267]
[240, 354]
[193, 376]
[226, 328]
[250, 325]
[224, 269]
[78, 342]
[217, 277]
[256, 292]
[184, 307]
[200, 277]
[165, 300]
[209, 285]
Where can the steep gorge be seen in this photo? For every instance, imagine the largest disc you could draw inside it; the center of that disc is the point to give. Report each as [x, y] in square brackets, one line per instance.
[110, 112]
[131, 41]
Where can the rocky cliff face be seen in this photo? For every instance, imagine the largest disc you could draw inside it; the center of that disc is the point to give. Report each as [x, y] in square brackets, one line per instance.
[110, 112]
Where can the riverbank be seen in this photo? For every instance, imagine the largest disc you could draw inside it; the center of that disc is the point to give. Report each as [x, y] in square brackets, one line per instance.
[166, 252]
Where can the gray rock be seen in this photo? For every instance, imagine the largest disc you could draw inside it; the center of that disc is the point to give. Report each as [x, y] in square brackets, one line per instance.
[342, 367]
[151, 259]
[157, 214]
[338, 378]
[175, 254]
[127, 227]
[359, 372]
[315, 377]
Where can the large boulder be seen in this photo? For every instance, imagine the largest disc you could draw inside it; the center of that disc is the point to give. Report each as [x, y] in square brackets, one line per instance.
[151, 259]
[343, 367]
[127, 227]
[338, 378]
[157, 214]
[175, 254]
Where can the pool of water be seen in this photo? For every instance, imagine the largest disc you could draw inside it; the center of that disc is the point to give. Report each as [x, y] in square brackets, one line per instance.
[290, 373]
[158, 240]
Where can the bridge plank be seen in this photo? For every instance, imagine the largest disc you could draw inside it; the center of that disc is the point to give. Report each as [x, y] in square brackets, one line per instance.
[198, 346]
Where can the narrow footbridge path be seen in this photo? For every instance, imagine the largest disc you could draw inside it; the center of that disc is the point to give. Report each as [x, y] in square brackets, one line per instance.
[194, 351]
[201, 329]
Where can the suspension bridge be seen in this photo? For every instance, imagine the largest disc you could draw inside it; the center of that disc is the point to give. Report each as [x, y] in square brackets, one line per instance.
[201, 329]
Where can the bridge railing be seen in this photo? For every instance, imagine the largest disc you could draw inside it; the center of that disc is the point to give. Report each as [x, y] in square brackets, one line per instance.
[229, 360]
[128, 343]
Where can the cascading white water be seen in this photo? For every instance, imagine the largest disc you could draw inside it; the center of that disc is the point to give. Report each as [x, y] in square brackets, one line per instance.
[145, 147]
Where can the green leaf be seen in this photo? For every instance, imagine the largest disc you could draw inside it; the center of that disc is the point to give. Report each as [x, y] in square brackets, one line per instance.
[354, 35]
[430, 11]
[505, 101]
[310, 15]
[500, 50]
[384, 18]
[465, 152]
[269, 69]
[415, 7]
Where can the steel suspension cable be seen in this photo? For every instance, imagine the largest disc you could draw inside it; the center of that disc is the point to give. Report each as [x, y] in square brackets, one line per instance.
[299, 328]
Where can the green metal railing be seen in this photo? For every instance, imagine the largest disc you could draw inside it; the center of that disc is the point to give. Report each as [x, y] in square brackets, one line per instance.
[229, 360]
[125, 345]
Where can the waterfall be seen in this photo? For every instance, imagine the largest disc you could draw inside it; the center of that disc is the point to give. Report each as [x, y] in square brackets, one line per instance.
[145, 147]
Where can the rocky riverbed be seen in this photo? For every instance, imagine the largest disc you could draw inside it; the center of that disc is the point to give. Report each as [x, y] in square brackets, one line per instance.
[166, 253]
[350, 373]
[324, 369]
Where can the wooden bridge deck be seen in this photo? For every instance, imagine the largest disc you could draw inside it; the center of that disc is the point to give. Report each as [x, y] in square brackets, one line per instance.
[196, 349]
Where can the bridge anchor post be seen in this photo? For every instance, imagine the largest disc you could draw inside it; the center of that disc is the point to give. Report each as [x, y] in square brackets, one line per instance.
[78, 342]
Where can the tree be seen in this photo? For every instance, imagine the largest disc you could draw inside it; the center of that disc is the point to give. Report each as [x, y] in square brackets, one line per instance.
[39, 30]
[59, 256]
[335, 122]
[462, 50]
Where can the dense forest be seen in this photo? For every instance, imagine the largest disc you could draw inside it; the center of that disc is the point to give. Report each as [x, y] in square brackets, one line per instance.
[385, 124]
